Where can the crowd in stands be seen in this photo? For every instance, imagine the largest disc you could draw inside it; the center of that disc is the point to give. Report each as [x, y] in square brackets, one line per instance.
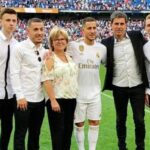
[93, 5]
[74, 28]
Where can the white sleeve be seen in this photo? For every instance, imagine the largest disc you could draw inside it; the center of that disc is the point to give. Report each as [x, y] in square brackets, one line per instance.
[15, 71]
[146, 49]
[70, 49]
[148, 91]
[104, 55]
[47, 74]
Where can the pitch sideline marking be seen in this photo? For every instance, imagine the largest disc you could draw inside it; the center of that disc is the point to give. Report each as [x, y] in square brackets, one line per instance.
[110, 97]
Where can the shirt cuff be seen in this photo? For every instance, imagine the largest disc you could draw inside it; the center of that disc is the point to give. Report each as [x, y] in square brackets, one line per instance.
[148, 91]
[19, 96]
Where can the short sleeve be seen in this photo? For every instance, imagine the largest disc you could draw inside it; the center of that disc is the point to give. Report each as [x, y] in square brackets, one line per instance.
[46, 73]
[104, 55]
[70, 49]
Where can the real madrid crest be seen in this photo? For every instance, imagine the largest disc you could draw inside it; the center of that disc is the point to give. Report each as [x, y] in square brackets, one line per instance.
[81, 48]
[97, 55]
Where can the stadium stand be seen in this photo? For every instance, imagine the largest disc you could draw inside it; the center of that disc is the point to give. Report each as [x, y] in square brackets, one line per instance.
[74, 27]
[66, 14]
[95, 5]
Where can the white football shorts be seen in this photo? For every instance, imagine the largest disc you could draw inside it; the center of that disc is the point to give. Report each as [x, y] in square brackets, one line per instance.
[90, 111]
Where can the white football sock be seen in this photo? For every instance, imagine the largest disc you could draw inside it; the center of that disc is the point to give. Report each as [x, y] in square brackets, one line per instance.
[79, 134]
[93, 136]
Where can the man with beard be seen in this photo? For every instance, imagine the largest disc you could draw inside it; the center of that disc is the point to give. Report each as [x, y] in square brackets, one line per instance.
[26, 64]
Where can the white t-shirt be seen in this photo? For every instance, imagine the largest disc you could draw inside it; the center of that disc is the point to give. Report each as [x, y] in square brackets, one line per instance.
[88, 58]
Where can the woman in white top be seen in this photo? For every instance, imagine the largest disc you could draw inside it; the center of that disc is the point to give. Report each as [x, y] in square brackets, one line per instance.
[60, 81]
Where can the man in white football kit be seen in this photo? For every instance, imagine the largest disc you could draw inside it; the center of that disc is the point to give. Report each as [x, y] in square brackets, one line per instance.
[88, 55]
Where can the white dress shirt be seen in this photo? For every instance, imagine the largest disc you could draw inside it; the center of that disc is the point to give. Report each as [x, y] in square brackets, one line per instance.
[26, 71]
[147, 55]
[4, 42]
[126, 71]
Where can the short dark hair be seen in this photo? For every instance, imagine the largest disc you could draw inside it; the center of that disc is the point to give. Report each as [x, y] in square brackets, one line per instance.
[118, 14]
[33, 20]
[7, 11]
[88, 19]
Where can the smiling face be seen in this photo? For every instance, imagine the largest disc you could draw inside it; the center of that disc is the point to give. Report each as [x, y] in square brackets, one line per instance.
[59, 43]
[119, 26]
[58, 39]
[36, 32]
[8, 23]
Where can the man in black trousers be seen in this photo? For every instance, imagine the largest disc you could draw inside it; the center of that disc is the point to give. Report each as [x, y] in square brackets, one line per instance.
[126, 77]
[26, 64]
[8, 20]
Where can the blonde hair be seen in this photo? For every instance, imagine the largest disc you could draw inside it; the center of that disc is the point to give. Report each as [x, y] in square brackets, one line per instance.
[55, 32]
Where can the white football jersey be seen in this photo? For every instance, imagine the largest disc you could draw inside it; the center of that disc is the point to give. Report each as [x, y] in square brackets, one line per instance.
[88, 58]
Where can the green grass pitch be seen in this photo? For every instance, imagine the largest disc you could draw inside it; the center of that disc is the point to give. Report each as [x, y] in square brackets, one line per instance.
[107, 136]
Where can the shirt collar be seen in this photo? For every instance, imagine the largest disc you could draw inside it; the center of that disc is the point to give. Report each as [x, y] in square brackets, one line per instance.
[3, 37]
[126, 37]
[32, 45]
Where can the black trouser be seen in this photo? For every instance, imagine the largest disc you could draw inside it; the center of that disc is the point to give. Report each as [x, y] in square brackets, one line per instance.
[136, 96]
[30, 120]
[7, 107]
[61, 124]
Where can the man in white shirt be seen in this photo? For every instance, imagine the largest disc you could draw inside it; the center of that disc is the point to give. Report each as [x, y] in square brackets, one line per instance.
[126, 77]
[88, 54]
[26, 64]
[147, 61]
[8, 20]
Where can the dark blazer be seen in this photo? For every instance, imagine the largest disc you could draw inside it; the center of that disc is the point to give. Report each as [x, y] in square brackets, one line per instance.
[137, 41]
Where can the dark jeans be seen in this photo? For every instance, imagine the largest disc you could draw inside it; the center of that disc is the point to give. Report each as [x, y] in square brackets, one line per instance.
[30, 120]
[7, 107]
[61, 124]
[136, 97]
